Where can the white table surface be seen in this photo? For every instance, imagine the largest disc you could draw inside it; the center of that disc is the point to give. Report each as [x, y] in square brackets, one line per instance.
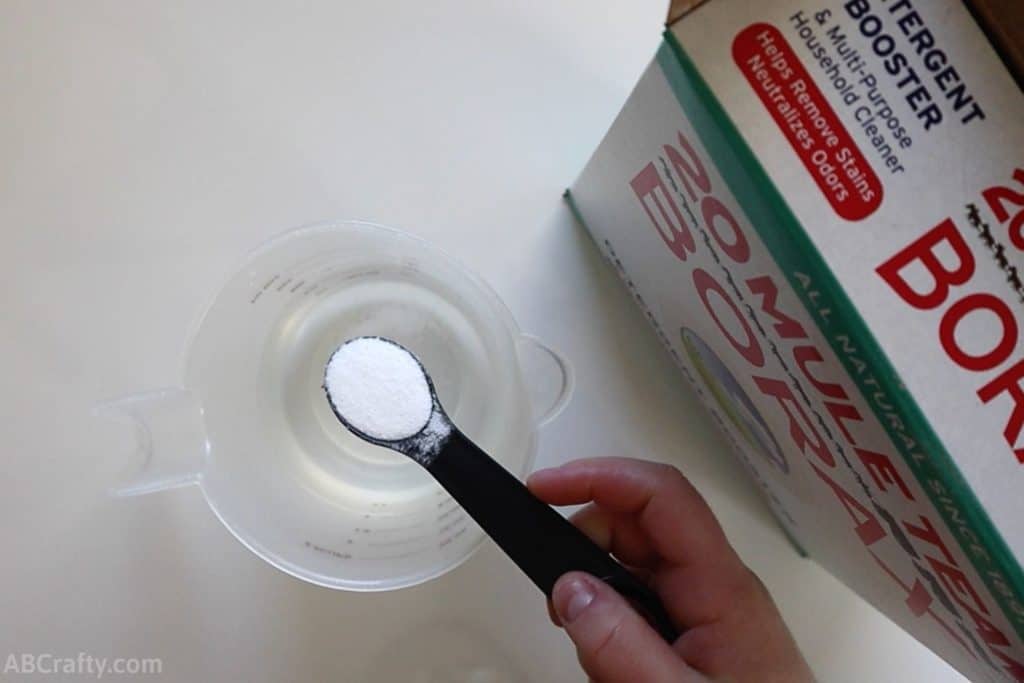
[146, 145]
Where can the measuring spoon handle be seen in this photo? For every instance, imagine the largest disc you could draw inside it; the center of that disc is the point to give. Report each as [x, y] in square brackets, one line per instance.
[537, 538]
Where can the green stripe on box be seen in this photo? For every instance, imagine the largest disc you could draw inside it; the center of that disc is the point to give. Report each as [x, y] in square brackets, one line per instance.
[578, 215]
[794, 252]
[567, 196]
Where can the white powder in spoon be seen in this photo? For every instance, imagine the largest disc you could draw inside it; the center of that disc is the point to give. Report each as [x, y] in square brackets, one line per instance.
[379, 388]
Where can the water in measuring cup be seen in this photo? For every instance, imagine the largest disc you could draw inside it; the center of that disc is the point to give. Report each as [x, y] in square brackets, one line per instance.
[280, 470]
[417, 313]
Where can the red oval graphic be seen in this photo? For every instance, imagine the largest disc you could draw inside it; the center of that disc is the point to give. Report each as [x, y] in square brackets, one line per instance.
[808, 121]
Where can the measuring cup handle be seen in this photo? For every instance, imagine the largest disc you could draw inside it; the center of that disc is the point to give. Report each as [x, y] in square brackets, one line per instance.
[170, 444]
[548, 377]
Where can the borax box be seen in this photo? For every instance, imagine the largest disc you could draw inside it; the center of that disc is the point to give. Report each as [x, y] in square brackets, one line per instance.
[819, 205]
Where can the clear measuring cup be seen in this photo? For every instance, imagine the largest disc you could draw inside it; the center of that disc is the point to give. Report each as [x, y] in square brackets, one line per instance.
[252, 429]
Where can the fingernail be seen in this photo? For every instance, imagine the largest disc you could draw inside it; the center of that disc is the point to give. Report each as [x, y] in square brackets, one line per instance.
[571, 598]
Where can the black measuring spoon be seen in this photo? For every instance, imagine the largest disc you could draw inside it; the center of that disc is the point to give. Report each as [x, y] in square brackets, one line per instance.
[537, 538]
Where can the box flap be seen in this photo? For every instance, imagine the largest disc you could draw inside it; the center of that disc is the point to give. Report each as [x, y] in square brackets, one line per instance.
[680, 8]
[1003, 21]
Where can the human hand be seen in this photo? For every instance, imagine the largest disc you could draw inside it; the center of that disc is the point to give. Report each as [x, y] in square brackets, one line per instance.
[653, 520]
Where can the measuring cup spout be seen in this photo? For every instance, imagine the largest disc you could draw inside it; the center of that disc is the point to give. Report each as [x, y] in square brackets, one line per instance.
[548, 377]
[170, 444]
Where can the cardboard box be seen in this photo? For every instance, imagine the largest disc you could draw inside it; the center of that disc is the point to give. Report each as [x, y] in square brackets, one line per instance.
[820, 208]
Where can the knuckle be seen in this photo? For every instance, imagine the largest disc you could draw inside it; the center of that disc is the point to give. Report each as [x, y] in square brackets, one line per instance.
[666, 471]
[670, 477]
[707, 648]
[751, 585]
[674, 481]
[604, 647]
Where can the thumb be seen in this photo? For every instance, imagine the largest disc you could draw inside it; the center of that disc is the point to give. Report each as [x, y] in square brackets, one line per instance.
[613, 642]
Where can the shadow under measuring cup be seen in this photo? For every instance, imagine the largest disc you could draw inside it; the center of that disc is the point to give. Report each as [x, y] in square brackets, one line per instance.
[250, 427]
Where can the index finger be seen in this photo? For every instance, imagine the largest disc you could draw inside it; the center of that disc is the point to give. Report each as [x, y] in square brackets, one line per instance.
[676, 518]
